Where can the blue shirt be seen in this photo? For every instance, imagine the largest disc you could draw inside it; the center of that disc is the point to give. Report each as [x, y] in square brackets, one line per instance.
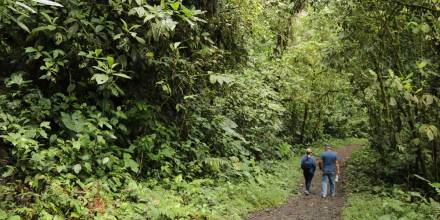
[329, 159]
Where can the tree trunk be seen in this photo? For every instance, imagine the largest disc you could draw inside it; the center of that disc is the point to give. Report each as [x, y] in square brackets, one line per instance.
[304, 123]
[435, 160]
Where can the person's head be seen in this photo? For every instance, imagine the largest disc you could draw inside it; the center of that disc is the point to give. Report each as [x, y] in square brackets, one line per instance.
[309, 151]
[328, 147]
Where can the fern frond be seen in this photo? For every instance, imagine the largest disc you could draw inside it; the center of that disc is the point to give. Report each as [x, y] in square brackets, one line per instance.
[216, 164]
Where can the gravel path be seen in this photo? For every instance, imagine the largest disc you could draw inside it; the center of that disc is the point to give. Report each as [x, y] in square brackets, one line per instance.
[311, 207]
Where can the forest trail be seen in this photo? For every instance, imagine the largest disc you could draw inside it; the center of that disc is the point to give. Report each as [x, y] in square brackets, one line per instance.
[312, 207]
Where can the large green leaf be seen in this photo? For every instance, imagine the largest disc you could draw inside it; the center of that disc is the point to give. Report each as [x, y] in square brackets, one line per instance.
[17, 79]
[175, 6]
[100, 78]
[130, 163]
[75, 122]
[21, 24]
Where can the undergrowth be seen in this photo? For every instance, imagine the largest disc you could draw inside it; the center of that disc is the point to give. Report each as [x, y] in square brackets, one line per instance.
[269, 184]
[386, 206]
[373, 196]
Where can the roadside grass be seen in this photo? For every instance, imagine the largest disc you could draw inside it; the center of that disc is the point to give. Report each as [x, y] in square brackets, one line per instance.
[369, 197]
[268, 184]
[384, 206]
[232, 200]
[348, 141]
[260, 185]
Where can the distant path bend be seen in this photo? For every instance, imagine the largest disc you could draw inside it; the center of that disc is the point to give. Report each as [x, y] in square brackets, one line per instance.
[312, 207]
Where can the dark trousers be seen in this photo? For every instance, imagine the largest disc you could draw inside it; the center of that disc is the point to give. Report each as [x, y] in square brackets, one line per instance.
[308, 176]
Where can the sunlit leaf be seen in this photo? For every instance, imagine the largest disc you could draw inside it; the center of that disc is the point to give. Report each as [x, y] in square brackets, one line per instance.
[105, 160]
[100, 78]
[99, 28]
[77, 168]
[48, 2]
[428, 99]
[140, 40]
[422, 64]
[21, 25]
[175, 6]
[122, 75]
[393, 101]
[25, 7]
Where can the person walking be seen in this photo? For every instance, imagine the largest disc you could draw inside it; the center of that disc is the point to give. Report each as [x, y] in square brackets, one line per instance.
[329, 164]
[308, 165]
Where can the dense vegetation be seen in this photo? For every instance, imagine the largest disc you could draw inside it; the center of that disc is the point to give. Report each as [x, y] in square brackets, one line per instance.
[106, 103]
[374, 197]
[391, 48]
[174, 109]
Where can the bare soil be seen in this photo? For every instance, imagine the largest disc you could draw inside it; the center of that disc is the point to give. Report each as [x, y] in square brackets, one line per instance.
[312, 207]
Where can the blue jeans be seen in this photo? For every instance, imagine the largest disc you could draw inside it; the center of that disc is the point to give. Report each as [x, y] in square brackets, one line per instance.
[331, 178]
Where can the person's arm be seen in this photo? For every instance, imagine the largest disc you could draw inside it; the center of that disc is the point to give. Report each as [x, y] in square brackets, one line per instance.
[314, 164]
[320, 163]
[337, 167]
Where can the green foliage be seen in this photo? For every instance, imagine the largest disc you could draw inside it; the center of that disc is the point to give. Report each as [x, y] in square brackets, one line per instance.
[89, 136]
[372, 197]
[391, 51]
[316, 106]
[270, 184]
[364, 164]
[147, 86]
[109, 107]
[399, 205]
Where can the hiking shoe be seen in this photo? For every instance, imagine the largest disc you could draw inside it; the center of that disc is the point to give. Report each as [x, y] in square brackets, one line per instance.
[323, 196]
[307, 192]
[333, 194]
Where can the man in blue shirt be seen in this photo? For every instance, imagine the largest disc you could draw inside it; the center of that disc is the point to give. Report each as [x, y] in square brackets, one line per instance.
[329, 164]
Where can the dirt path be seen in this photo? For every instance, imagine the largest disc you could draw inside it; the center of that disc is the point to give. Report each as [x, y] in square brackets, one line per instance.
[311, 207]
